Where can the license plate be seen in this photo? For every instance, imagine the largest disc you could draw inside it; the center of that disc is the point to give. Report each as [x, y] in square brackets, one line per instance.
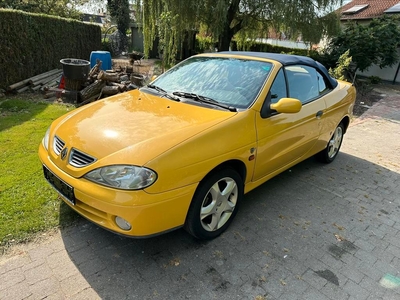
[63, 188]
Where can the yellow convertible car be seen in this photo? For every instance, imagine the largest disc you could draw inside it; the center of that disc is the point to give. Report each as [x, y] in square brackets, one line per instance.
[183, 150]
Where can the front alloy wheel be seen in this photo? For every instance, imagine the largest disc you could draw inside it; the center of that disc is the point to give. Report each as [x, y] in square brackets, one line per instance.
[214, 204]
[332, 149]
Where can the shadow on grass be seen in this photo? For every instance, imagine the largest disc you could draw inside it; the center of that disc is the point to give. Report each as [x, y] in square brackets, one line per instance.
[285, 230]
[67, 215]
[15, 110]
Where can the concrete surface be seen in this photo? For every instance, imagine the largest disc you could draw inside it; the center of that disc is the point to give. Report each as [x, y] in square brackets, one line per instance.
[314, 232]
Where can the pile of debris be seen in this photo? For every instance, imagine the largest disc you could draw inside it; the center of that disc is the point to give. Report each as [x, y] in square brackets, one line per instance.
[98, 84]
[37, 83]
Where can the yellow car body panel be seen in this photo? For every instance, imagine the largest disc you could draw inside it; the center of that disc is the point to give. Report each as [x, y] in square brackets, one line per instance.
[183, 143]
[157, 121]
[149, 214]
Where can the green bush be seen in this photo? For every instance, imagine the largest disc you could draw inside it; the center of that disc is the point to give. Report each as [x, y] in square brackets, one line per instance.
[374, 79]
[204, 44]
[342, 71]
[32, 44]
[106, 46]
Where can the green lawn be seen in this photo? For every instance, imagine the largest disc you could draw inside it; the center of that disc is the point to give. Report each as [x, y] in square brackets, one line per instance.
[28, 204]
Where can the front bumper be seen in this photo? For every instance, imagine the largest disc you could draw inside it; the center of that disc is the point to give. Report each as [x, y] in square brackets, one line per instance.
[149, 214]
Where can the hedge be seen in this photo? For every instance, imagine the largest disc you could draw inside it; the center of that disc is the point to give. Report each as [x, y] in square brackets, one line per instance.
[32, 44]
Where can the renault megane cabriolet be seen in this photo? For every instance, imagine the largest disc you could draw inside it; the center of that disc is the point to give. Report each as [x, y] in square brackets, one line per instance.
[183, 150]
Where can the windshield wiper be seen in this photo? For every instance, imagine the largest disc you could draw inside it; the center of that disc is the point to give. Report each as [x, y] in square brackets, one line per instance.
[162, 91]
[204, 99]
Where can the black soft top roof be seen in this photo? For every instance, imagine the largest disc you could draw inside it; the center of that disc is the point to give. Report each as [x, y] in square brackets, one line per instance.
[288, 60]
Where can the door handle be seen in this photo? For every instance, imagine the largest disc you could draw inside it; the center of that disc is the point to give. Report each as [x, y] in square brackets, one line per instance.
[319, 114]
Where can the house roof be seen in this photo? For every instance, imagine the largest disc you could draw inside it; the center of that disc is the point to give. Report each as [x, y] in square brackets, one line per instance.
[365, 9]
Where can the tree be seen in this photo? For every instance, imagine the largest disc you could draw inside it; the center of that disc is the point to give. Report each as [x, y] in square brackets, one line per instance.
[375, 43]
[61, 8]
[343, 71]
[119, 11]
[224, 19]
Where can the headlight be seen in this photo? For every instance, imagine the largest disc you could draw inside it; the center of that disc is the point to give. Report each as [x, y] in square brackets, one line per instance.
[123, 177]
[46, 139]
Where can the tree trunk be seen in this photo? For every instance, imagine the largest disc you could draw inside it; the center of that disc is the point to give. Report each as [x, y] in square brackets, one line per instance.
[92, 90]
[110, 90]
[122, 87]
[108, 76]
[224, 39]
[137, 79]
[96, 68]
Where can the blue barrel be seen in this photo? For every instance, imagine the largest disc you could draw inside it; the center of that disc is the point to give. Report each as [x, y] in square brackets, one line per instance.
[104, 56]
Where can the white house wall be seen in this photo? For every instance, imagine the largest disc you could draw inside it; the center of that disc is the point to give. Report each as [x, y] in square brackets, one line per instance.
[384, 74]
[284, 43]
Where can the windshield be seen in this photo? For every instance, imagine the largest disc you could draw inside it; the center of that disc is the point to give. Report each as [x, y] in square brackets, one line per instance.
[234, 82]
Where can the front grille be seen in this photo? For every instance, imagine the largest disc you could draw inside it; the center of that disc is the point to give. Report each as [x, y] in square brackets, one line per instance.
[79, 159]
[58, 145]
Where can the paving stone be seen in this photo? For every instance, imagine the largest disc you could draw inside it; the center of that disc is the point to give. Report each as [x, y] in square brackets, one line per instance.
[44, 288]
[16, 292]
[352, 273]
[91, 267]
[86, 294]
[313, 279]
[40, 253]
[11, 278]
[38, 273]
[391, 295]
[55, 296]
[373, 287]
[370, 271]
[355, 290]
[364, 245]
[331, 261]
[14, 262]
[73, 285]
[394, 250]
[366, 257]
[313, 294]
[334, 292]
[33, 264]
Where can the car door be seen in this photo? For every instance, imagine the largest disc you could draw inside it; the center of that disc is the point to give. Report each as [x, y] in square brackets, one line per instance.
[284, 139]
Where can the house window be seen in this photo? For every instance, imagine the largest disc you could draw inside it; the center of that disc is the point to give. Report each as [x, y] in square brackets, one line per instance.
[355, 9]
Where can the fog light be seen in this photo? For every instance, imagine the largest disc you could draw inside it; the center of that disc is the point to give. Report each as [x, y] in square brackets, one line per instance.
[122, 223]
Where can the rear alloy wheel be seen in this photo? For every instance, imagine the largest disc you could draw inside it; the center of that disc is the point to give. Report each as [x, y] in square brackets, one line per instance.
[329, 154]
[214, 204]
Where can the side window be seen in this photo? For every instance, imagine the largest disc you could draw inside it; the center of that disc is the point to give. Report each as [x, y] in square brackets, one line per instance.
[303, 83]
[322, 87]
[278, 88]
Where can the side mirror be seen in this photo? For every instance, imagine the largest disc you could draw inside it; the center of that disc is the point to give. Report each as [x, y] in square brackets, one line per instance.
[153, 77]
[284, 105]
[287, 106]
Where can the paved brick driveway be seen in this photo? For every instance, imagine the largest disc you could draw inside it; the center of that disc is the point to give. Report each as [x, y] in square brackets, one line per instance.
[314, 232]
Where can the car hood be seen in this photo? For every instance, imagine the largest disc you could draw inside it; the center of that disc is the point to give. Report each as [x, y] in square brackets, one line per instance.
[133, 127]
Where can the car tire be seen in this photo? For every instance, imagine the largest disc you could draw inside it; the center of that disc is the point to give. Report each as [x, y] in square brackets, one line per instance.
[329, 154]
[215, 204]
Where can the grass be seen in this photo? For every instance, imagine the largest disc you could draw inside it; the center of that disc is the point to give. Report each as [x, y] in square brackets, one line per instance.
[28, 205]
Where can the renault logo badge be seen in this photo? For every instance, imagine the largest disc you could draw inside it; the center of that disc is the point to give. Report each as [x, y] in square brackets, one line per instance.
[64, 153]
